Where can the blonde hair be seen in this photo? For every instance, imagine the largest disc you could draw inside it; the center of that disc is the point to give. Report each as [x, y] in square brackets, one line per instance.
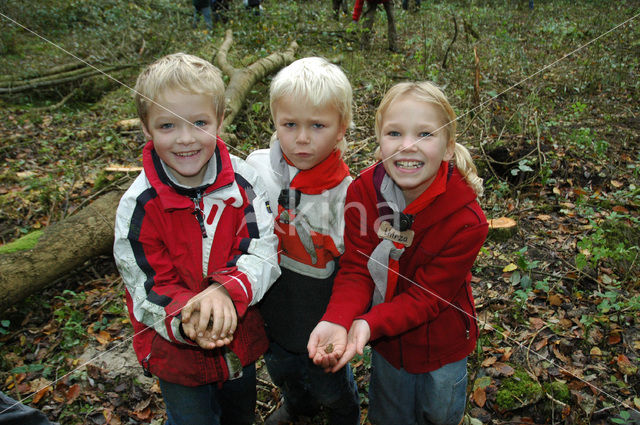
[183, 72]
[428, 92]
[317, 81]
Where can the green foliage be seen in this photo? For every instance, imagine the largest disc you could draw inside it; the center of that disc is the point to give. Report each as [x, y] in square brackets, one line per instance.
[4, 326]
[612, 241]
[624, 418]
[70, 319]
[558, 390]
[518, 390]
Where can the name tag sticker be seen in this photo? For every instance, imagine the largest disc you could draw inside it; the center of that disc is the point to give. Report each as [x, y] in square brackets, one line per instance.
[386, 231]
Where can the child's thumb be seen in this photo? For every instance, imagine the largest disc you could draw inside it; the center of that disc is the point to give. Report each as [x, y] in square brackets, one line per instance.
[186, 314]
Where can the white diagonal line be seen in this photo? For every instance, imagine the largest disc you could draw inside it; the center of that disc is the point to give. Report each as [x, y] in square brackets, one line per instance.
[242, 154]
[121, 342]
[488, 325]
[486, 102]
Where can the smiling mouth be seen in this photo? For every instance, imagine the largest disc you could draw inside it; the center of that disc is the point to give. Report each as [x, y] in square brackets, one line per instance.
[409, 165]
[186, 154]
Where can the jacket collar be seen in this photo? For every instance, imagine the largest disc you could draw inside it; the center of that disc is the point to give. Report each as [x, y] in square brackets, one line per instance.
[456, 195]
[175, 196]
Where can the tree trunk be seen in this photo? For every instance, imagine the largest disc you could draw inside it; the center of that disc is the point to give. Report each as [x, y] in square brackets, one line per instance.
[67, 244]
[62, 247]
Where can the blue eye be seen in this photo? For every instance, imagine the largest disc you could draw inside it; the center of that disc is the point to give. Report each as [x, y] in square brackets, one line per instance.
[318, 125]
[424, 134]
[394, 133]
[289, 124]
[166, 126]
[200, 123]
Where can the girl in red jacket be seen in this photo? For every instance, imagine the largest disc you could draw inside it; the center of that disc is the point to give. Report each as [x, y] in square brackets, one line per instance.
[413, 230]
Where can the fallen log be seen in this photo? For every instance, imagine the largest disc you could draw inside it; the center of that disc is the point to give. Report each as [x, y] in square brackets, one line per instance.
[30, 264]
[12, 87]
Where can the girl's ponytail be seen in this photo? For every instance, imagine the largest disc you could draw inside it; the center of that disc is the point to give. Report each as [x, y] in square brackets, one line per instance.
[467, 168]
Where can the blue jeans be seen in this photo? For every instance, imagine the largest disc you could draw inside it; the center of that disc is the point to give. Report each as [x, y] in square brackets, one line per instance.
[306, 387]
[432, 398]
[13, 412]
[233, 403]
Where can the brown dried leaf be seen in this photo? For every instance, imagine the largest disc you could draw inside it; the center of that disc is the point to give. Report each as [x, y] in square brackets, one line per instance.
[555, 300]
[480, 397]
[72, 393]
[489, 361]
[614, 338]
[625, 366]
[540, 344]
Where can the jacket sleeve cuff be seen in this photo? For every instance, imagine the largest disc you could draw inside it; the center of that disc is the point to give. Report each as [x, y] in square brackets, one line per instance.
[339, 319]
[185, 338]
[374, 328]
[173, 320]
[238, 287]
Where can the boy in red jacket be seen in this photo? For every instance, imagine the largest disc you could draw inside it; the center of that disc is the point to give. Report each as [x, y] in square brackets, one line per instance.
[194, 243]
[413, 230]
[369, 18]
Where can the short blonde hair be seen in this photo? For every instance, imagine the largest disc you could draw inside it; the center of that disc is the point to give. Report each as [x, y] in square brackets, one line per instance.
[183, 72]
[428, 92]
[317, 81]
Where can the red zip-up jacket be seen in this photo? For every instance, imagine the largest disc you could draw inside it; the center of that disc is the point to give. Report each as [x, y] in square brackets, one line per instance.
[169, 239]
[416, 330]
[357, 7]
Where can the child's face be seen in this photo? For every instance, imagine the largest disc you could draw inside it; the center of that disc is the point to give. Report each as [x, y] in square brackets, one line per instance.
[308, 134]
[413, 164]
[187, 143]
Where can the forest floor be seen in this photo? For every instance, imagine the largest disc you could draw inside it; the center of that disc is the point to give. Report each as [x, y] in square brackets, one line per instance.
[549, 106]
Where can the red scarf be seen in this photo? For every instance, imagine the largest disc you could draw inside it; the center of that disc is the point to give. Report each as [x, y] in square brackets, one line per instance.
[325, 175]
[437, 187]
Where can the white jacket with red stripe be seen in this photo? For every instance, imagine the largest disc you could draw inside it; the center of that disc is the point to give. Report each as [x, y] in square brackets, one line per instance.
[169, 239]
[323, 215]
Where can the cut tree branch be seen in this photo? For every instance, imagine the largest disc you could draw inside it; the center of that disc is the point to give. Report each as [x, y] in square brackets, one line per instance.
[66, 245]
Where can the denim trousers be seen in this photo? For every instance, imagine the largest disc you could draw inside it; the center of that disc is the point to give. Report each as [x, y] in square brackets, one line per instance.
[13, 412]
[432, 398]
[306, 387]
[232, 403]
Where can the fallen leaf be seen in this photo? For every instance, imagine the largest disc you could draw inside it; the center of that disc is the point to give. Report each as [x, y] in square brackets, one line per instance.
[620, 209]
[40, 394]
[503, 369]
[625, 366]
[543, 217]
[480, 397]
[41, 387]
[489, 361]
[103, 337]
[536, 322]
[614, 338]
[559, 355]
[616, 184]
[541, 344]
[72, 393]
[509, 268]
[595, 351]
[554, 300]
[143, 415]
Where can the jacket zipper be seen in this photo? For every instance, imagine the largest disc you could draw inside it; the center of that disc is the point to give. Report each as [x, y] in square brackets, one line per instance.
[145, 361]
[199, 213]
[465, 318]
